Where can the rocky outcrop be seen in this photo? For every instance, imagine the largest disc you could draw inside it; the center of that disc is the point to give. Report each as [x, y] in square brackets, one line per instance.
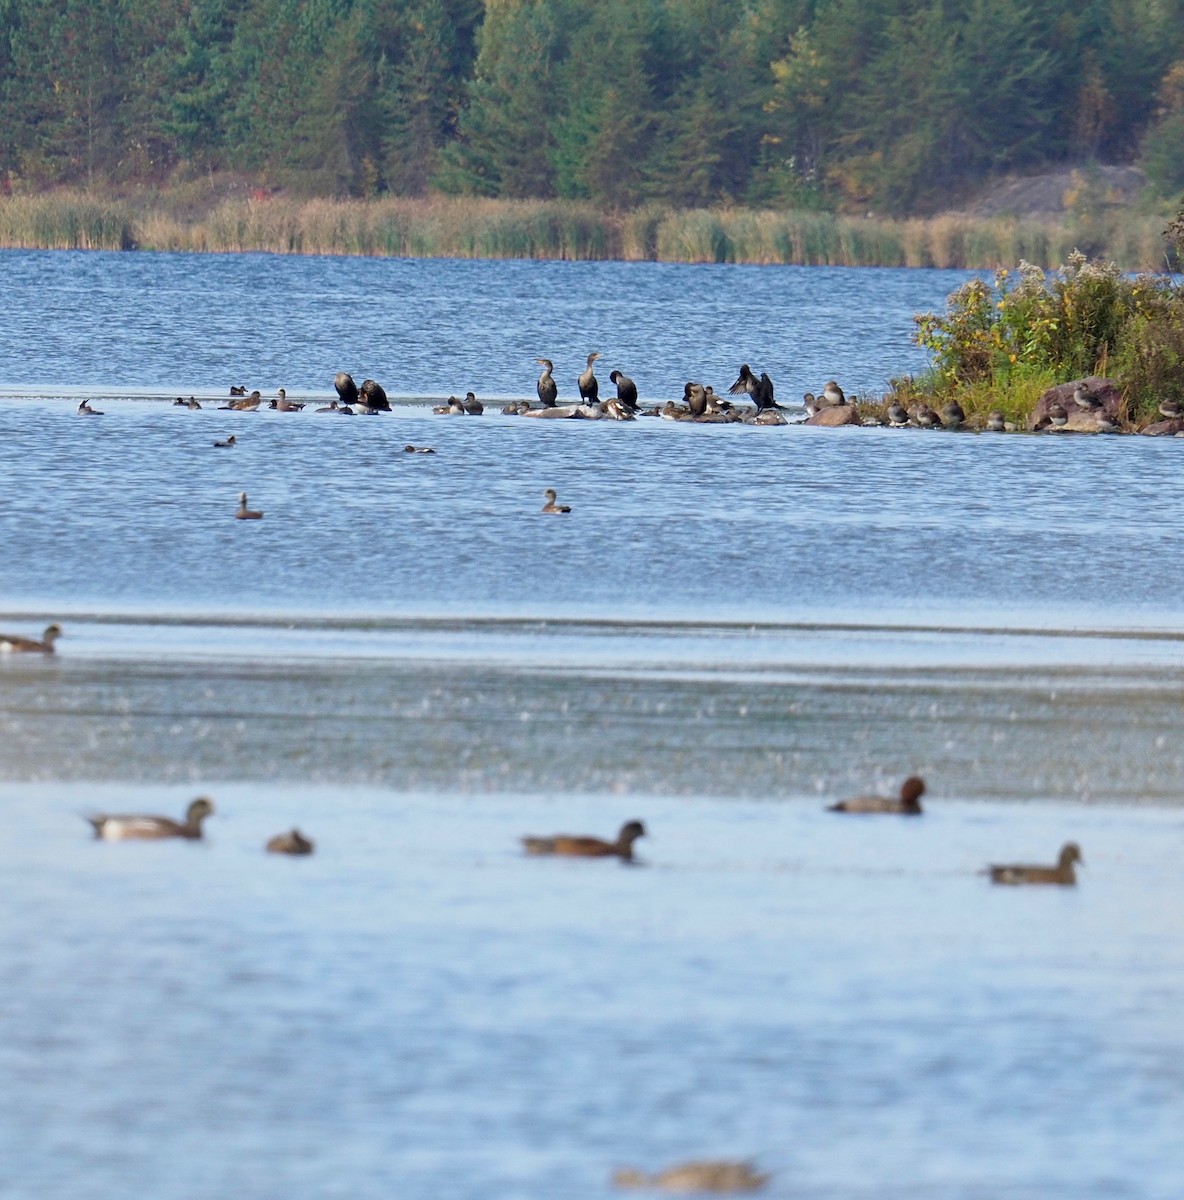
[832, 417]
[1109, 391]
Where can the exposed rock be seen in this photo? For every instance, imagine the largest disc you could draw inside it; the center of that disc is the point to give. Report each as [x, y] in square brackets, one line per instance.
[1109, 391]
[1167, 428]
[716, 1177]
[832, 417]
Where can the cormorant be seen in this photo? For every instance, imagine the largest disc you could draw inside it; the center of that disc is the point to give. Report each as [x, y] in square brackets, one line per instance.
[589, 388]
[547, 388]
[626, 389]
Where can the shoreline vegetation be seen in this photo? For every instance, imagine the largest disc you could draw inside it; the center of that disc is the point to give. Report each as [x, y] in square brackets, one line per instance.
[481, 228]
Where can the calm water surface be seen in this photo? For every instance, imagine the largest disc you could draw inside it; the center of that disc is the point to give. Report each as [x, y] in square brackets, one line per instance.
[404, 657]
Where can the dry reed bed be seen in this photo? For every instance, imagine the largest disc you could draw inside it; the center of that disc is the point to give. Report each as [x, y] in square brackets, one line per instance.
[481, 228]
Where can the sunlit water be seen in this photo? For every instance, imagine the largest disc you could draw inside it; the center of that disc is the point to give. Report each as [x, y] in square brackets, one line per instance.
[408, 660]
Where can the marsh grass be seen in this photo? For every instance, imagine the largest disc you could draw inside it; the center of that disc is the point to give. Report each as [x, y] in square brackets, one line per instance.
[466, 227]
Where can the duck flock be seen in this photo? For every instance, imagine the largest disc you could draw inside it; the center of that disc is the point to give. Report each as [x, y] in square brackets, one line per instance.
[140, 827]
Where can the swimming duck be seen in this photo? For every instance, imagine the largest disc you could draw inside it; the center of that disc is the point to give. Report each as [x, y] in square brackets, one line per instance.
[290, 843]
[588, 847]
[330, 407]
[193, 404]
[546, 387]
[718, 1177]
[238, 391]
[472, 405]
[898, 416]
[551, 506]
[85, 410]
[626, 389]
[907, 804]
[996, 421]
[1085, 399]
[410, 449]
[1062, 874]
[179, 400]
[953, 414]
[347, 390]
[122, 827]
[228, 444]
[589, 388]
[244, 513]
[12, 643]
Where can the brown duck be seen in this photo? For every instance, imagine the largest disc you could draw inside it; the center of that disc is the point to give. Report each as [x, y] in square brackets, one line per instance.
[588, 847]
[121, 827]
[1062, 874]
[908, 803]
[293, 842]
[12, 643]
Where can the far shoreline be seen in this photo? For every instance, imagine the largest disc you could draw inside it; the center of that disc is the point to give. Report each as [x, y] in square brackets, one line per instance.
[556, 230]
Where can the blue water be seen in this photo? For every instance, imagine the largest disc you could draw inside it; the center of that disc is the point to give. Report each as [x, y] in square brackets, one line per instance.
[733, 627]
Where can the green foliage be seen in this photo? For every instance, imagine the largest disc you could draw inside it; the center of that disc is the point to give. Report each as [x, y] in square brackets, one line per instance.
[1085, 318]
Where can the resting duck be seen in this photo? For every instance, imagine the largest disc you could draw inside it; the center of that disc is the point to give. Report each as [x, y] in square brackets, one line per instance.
[1085, 399]
[238, 391]
[472, 405]
[588, 847]
[1171, 409]
[695, 1177]
[281, 403]
[1107, 424]
[898, 416]
[11, 643]
[410, 449]
[925, 417]
[1062, 874]
[125, 827]
[1057, 415]
[996, 421]
[953, 415]
[551, 506]
[290, 843]
[908, 803]
[244, 513]
[832, 395]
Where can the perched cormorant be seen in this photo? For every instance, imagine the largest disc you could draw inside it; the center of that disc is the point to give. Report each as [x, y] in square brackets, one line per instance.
[547, 388]
[347, 390]
[373, 396]
[589, 388]
[761, 390]
[626, 389]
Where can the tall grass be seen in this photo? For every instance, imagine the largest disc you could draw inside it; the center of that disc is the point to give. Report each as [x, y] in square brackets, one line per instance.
[481, 228]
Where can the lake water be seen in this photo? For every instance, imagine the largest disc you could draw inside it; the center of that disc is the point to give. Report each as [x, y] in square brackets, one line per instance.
[734, 626]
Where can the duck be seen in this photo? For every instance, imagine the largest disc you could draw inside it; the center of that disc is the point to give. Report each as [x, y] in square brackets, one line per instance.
[953, 414]
[12, 643]
[809, 403]
[924, 416]
[85, 410]
[331, 407]
[618, 410]
[229, 444]
[472, 405]
[1085, 399]
[707, 1176]
[589, 388]
[1057, 415]
[578, 846]
[193, 404]
[626, 389]
[451, 407]
[551, 506]
[1062, 874]
[898, 416]
[908, 803]
[238, 391]
[281, 403]
[1107, 423]
[244, 513]
[1171, 409]
[248, 404]
[410, 449]
[832, 395]
[180, 400]
[293, 842]
[996, 421]
[546, 387]
[121, 827]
